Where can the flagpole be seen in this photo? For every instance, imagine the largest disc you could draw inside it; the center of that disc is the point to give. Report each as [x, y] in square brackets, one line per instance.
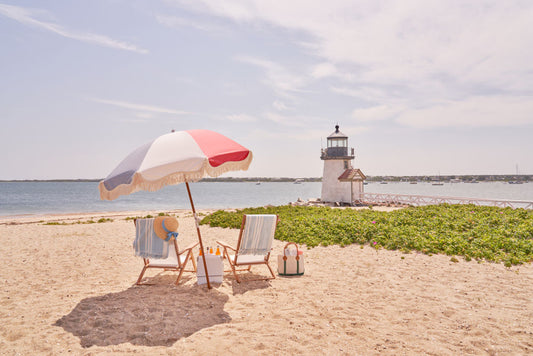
[199, 235]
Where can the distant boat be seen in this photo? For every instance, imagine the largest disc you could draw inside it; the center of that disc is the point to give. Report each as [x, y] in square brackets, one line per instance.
[298, 181]
[258, 183]
[437, 181]
[413, 182]
[383, 183]
[515, 182]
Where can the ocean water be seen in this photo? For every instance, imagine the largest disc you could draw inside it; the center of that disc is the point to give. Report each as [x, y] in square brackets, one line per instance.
[20, 198]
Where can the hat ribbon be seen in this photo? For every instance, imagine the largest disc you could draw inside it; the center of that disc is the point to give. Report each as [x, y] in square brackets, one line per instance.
[170, 234]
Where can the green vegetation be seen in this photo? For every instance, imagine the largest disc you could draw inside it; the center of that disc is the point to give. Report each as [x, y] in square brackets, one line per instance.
[147, 216]
[474, 232]
[100, 221]
[138, 217]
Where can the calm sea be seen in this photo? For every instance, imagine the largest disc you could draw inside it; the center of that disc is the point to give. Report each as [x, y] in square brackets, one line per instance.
[17, 198]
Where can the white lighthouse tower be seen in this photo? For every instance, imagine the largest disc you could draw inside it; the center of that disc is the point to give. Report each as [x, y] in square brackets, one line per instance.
[341, 183]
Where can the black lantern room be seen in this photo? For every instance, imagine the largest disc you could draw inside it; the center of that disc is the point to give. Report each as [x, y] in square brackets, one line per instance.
[337, 146]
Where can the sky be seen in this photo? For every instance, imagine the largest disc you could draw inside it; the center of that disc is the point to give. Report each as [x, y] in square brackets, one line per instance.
[419, 87]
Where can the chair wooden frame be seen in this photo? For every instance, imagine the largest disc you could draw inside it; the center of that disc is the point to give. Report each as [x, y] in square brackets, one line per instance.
[179, 267]
[234, 261]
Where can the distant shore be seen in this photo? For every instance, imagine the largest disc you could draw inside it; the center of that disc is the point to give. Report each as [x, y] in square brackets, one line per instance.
[386, 178]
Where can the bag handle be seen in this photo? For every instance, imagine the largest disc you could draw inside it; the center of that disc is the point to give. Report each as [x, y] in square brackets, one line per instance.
[297, 251]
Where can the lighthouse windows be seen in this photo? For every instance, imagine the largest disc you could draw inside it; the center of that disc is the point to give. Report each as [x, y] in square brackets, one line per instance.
[337, 142]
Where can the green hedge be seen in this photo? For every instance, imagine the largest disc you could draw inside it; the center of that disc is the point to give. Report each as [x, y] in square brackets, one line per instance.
[474, 232]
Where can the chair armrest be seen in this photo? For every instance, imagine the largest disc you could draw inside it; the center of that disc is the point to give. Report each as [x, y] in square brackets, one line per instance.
[225, 245]
[190, 247]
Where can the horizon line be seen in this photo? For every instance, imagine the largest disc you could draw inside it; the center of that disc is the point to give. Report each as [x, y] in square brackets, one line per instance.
[271, 178]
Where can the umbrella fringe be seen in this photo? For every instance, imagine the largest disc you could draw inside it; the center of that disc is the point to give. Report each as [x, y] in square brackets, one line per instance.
[139, 183]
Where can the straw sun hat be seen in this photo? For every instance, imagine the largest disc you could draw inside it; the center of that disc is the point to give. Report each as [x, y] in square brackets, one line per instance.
[171, 224]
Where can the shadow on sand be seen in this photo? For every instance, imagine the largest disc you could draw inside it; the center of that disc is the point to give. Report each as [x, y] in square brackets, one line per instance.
[246, 286]
[155, 315]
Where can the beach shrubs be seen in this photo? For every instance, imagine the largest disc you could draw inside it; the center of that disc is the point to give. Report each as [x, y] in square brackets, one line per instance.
[474, 232]
[149, 216]
[79, 222]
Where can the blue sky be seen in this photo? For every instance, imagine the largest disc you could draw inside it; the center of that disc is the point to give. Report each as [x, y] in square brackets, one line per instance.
[420, 87]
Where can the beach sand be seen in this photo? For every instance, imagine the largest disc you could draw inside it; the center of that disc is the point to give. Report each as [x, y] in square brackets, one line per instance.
[69, 290]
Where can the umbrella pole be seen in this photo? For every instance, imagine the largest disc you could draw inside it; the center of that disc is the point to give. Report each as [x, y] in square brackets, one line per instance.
[199, 235]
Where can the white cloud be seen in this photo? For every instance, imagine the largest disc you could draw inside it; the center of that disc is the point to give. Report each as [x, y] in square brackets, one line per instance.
[279, 105]
[288, 136]
[313, 135]
[175, 21]
[241, 118]
[422, 63]
[235, 10]
[352, 131]
[139, 107]
[487, 111]
[26, 17]
[405, 43]
[376, 113]
[281, 119]
[298, 123]
[371, 94]
[323, 70]
[281, 80]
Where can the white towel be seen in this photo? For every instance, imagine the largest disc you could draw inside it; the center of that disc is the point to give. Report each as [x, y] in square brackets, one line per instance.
[258, 234]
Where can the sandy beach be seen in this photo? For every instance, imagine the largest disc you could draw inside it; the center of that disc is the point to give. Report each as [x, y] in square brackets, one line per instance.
[69, 290]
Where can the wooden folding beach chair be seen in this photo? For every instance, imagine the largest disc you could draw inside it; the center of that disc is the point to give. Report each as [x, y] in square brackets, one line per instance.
[254, 244]
[176, 260]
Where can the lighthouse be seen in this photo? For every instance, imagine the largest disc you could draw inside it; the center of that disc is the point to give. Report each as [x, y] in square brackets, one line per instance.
[341, 182]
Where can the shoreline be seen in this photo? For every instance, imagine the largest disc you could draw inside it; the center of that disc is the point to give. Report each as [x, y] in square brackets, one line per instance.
[46, 217]
[36, 218]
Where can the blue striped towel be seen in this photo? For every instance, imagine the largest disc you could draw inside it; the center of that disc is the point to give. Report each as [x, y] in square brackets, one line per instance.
[258, 234]
[147, 244]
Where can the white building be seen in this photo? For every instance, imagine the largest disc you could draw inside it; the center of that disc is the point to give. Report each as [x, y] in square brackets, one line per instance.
[341, 183]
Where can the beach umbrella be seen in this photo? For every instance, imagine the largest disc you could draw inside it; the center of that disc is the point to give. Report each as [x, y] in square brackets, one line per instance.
[177, 157]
